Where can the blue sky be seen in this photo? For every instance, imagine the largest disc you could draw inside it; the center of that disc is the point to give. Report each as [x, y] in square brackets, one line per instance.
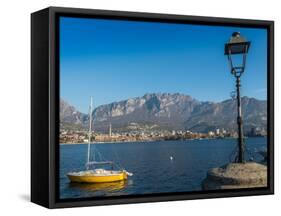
[113, 60]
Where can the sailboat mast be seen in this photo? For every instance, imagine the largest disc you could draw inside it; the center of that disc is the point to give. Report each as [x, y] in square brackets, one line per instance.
[90, 131]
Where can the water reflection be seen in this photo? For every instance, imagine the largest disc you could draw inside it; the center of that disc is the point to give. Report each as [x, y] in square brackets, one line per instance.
[108, 186]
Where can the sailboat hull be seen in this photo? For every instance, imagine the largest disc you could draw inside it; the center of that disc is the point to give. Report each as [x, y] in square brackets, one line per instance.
[92, 177]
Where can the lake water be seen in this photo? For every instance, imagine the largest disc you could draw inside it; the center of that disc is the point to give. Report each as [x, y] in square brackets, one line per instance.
[154, 171]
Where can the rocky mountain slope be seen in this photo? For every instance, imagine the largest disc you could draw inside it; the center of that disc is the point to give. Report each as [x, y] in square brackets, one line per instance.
[169, 111]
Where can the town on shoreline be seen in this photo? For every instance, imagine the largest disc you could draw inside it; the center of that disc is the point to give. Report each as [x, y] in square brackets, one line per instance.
[81, 136]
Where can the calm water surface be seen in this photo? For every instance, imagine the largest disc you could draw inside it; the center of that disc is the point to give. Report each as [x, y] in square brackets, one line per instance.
[154, 171]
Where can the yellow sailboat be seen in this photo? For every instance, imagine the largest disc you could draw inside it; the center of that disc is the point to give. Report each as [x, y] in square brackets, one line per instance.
[97, 175]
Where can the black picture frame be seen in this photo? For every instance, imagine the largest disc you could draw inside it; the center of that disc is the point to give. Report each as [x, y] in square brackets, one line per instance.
[45, 105]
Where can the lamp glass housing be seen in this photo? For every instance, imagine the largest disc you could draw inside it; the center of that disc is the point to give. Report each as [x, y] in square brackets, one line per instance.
[236, 50]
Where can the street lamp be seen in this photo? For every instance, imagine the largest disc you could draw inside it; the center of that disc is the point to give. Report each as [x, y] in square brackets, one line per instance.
[236, 50]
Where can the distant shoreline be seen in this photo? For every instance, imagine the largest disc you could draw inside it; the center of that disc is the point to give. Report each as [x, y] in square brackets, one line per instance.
[141, 141]
[110, 142]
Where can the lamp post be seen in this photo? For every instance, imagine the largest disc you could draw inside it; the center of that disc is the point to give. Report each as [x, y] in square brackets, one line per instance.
[238, 174]
[236, 50]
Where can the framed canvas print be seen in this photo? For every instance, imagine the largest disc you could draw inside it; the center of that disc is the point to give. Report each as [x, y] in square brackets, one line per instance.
[139, 107]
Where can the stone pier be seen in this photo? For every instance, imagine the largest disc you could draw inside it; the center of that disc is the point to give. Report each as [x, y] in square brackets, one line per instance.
[236, 175]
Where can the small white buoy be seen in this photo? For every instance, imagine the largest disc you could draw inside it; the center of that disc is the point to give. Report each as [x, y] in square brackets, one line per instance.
[171, 158]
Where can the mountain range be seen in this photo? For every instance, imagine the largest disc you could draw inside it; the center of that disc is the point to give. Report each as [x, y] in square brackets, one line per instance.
[157, 111]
